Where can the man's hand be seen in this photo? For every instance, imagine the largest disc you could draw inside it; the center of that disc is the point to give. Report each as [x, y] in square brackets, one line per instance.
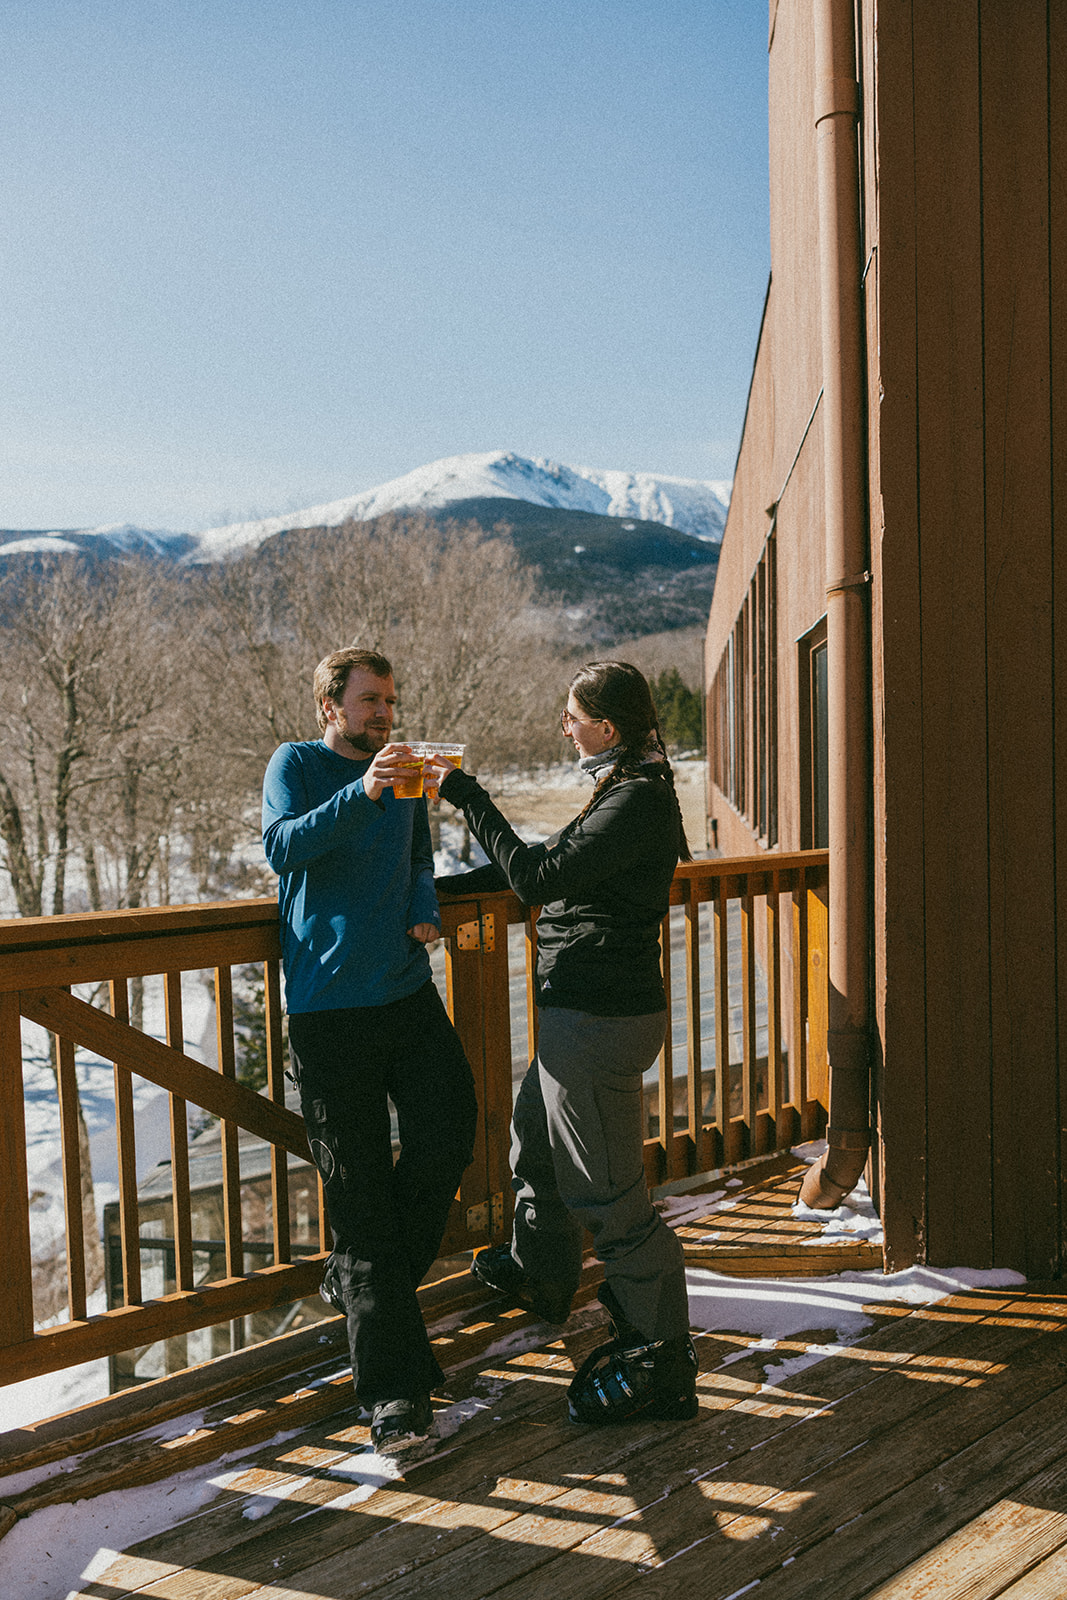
[393, 761]
[425, 932]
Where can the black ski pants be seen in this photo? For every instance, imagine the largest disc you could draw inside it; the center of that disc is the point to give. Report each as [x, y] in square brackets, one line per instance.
[387, 1220]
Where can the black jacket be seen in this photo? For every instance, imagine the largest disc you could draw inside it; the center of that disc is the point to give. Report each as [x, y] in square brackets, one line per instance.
[603, 882]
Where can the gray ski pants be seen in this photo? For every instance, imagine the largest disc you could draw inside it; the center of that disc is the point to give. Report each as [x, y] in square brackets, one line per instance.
[576, 1154]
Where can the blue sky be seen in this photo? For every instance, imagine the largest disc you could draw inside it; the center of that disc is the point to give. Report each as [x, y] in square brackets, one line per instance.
[260, 254]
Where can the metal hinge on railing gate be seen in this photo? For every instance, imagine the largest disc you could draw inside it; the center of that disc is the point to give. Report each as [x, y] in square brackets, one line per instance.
[476, 935]
[487, 1214]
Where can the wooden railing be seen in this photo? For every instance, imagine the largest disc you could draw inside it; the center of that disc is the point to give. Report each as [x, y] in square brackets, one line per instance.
[743, 1072]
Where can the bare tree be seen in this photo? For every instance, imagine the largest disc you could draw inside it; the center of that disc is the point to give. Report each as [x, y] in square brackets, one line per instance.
[54, 625]
[448, 603]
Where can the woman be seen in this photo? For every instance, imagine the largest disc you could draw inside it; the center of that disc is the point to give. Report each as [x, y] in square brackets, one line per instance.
[577, 1129]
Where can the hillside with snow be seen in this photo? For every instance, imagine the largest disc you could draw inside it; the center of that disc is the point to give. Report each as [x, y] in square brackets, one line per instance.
[626, 553]
[688, 505]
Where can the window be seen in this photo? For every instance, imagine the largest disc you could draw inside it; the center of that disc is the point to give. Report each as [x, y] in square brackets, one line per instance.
[743, 706]
[814, 740]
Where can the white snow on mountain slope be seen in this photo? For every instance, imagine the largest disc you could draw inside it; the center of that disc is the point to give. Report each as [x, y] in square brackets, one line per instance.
[118, 535]
[688, 504]
[32, 544]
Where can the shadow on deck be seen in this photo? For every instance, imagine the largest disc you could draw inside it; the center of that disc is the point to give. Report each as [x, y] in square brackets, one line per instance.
[927, 1458]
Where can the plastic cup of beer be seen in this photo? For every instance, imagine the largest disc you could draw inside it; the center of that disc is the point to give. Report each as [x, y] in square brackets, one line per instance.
[410, 788]
[451, 752]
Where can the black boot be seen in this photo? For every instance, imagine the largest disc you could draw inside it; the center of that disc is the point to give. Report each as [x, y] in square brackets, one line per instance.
[632, 1376]
[497, 1269]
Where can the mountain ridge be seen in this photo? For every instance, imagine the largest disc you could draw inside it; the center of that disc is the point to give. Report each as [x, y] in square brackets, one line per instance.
[690, 506]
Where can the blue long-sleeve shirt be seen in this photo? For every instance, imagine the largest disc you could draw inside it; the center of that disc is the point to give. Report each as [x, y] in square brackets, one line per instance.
[354, 875]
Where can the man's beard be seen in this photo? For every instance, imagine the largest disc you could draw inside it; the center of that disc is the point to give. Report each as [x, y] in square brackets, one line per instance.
[367, 742]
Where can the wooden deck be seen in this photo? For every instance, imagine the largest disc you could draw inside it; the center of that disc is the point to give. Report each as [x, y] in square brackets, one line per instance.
[928, 1459]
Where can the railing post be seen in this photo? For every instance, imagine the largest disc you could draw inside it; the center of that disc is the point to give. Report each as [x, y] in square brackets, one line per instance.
[279, 1158]
[781, 1118]
[67, 1084]
[694, 1042]
[126, 1136]
[476, 967]
[232, 1229]
[179, 1142]
[16, 1302]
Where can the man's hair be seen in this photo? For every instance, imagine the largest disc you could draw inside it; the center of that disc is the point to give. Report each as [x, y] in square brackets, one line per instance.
[331, 675]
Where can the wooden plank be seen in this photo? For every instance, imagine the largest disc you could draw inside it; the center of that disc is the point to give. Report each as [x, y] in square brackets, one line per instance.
[739, 1261]
[594, 1522]
[948, 343]
[910, 1519]
[1046, 1581]
[913, 1481]
[639, 1457]
[1058, 424]
[997, 1547]
[721, 962]
[799, 1064]
[748, 1017]
[126, 1139]
[891, 135]
[530, 943]
[16, 1303]
[179, 1142]
[139, 923]
[465, 1002]
[777, 1095]
[170, 1069]
[423, 1514]
[665, 1065]
[70, 1145]
[232, 1226]
[68, 1344]
[279, 1170]
[694, 1100]
[816, 1058]
[98, 962]
[521, 1445]
[1019, 572]
[497, 1091]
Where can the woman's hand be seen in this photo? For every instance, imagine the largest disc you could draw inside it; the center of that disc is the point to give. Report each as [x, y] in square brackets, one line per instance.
[434, 772]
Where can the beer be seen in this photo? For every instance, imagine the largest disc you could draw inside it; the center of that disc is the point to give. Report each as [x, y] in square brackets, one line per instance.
[453, 752]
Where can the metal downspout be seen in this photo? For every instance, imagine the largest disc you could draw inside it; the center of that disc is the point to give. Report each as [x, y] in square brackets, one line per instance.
[847, 628]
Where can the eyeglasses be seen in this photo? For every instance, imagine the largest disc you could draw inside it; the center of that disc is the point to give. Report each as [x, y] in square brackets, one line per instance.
[566, 721]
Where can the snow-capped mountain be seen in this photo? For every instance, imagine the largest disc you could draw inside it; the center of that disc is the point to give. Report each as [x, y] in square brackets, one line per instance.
[687, 504]
[105, 540]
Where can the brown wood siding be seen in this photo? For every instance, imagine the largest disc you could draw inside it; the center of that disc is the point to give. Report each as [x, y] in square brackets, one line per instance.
[966, 943]
[1018, 484]
[964, 153]
[1058, 431]
[899, 931]
[952, 604]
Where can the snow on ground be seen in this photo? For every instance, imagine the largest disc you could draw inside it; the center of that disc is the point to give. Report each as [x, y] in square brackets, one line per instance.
[53, 1552]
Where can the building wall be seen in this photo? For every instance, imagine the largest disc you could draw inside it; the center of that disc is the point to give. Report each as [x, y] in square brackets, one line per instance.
[967, 220]
[778, 484]
[964, 158]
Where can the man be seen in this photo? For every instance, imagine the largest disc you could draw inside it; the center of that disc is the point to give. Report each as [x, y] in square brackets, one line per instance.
[366, 1024]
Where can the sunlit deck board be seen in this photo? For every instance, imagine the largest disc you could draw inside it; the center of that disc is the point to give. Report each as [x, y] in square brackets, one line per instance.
[926, 1459]
[882, 1470]
[752, 1232]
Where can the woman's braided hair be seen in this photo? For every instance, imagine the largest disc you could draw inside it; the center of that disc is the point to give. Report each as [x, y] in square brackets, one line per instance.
[618, 693]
